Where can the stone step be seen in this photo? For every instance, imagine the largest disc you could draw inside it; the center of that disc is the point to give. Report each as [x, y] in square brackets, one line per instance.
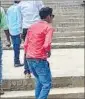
[68, 45]
[69, 16]
[28, 84]
[63, 1]
[69, 19]
[63, 34]
[65, 4]
[72, 28]
[68, 39]
[66, 26]
[69, 30]
[57, 45]
[66, 8]
[71, 23]
[68, 11]
[57, 93]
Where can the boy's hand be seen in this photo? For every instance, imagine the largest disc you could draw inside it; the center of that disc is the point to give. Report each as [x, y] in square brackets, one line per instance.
[49, 54]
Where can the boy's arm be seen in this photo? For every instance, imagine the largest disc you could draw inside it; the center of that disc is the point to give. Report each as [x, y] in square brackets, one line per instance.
[48, 40]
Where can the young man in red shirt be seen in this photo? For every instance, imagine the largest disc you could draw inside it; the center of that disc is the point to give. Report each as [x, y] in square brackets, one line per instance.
[37, 48]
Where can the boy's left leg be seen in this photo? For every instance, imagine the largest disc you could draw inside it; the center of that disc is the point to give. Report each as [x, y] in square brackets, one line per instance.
[38, 88]
[45, 78]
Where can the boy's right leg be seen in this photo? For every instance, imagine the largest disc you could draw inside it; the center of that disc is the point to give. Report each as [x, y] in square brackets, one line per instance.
[45, 78]
[38, 88]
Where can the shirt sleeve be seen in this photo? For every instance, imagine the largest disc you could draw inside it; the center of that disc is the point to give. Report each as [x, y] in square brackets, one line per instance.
[3, 20]
[48, 39]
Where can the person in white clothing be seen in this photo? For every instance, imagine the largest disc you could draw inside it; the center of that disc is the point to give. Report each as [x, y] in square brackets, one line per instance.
[30, 15]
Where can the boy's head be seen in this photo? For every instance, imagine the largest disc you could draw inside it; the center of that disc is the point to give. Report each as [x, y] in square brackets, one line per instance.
[17, 1]
[46, 14]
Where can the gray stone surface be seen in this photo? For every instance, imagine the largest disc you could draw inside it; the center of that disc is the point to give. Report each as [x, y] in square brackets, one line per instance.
[69, 19]
[63, 62]
[67, 66]
[28, 84]
[59, 93]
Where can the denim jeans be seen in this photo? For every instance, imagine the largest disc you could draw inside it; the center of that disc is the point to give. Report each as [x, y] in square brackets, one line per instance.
[43, 78]
[0, 62]
[16, 46]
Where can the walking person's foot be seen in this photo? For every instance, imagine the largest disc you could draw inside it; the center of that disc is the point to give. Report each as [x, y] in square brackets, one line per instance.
[18, 65]
[1, 90]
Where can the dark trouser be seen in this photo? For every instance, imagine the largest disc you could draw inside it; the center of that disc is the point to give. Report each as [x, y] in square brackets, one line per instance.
[24, 33]
[26, 67]
[16, 46]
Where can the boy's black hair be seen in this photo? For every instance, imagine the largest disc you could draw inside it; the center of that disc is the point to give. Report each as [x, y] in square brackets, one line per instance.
[45, 11]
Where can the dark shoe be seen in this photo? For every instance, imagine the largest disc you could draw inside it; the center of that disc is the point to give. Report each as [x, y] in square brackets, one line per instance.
[1, 91]
[18, 65]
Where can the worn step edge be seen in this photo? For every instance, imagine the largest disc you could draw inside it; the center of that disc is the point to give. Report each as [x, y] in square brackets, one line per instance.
[57, 93]
[68, 45]
[58, 45]
[28, 84]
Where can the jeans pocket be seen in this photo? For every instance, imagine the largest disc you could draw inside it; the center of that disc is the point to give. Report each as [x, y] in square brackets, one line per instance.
[42, 68]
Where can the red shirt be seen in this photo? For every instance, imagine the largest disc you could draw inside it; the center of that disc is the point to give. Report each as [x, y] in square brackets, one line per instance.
[38, 40]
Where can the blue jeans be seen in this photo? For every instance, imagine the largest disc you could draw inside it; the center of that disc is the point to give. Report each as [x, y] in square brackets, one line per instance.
[43, 78]
[16, 46]
[0, 62]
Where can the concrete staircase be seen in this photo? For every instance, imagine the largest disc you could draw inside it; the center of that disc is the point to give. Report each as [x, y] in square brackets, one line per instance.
[57, 93]
[68, 22]
[67, 73]
[69, 26]
[62, 88]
